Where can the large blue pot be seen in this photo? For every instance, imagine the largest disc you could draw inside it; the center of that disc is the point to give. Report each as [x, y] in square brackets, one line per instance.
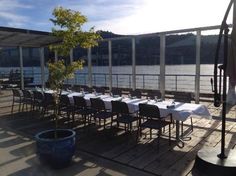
[57, 152]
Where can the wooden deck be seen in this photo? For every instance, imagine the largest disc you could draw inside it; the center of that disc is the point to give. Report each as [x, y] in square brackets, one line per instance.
[114, 145]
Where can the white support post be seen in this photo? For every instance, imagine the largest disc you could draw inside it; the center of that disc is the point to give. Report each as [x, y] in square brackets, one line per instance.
[162, 65]
[21, 68]
[56, 55]
[198, 59]
[110, 64]
[133, 65]
[89, 68]
[42, 67]
[71, 60]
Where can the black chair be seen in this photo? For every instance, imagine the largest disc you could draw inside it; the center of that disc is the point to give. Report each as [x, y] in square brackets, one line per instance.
[65, 107]
[37, 100]
[48, 103]
[100, 90]
[152, 94]
[150, 115]
[116, 91]
[184, 97]
[81, 108]
[121, 109]
[17, 98]
[27, 100]
[101, 113]
[136, 93]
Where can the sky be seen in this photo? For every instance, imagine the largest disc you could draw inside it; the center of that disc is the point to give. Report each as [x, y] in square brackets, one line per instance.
[117, 16]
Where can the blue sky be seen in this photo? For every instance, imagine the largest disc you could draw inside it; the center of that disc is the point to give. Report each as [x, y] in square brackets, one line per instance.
[118, 16]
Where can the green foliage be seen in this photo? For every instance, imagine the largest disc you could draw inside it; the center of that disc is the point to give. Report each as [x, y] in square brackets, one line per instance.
[70, 31]
[60, 72]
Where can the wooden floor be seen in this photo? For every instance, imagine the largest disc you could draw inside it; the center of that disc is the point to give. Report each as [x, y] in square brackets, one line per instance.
[115, 145]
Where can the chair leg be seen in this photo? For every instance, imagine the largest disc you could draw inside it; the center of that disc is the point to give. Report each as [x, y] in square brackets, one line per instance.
[158, 139]
[150, 133]
[12, 106]
[169, 135]
[182, 128]
[191, 123]
[104, 124]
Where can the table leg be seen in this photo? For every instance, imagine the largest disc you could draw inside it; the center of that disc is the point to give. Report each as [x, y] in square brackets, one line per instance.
[178, 139]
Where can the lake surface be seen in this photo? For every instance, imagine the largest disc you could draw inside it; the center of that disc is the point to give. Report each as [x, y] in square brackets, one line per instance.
[178, 77]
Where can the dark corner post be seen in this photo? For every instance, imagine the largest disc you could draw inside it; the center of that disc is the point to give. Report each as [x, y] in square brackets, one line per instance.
[222, 155]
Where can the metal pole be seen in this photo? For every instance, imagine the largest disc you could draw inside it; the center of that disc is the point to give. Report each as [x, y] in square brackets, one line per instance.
[222, 154]
[162, 65]
[89, 68]
[110, 64]
[41, 51]
[198, 58]
[21, 68]
[133, 65]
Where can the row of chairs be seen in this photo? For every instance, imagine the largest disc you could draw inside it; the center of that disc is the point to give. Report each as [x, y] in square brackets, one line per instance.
[148, 115]
[29, 100]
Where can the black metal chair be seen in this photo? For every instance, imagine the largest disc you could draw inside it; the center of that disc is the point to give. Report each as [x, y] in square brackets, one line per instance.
[17, 98]
[81, 108]
[65, 107]
[184, 97]
[48, 103]
[121, 109]
[27, 100]
[136, 93]
[37, 100]
[101, 113]
[116, 91]
[150, 115]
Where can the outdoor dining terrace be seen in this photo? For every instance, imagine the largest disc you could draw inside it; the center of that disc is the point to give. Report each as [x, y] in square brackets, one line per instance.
[109, 151]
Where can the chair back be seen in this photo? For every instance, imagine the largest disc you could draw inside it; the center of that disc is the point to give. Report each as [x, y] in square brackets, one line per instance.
[79, 102]
[136, 93]
[154, 93]
[97, 104]
[149, 111]
[116, 91]
[37, 95]
[48, 99]
[27, 94]
[184, 97]
[16, 93]
[64, 100]
[119, 107]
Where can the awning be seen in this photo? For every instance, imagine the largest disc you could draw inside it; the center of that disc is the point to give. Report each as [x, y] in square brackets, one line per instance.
[13, 37]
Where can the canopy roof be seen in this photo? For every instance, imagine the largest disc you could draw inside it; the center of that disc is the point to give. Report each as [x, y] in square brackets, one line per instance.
[13, 37]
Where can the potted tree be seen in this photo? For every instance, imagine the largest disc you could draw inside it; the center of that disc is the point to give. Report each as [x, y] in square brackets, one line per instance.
[57, 146]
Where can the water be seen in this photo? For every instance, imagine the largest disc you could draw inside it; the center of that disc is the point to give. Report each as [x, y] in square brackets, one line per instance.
[178, 77]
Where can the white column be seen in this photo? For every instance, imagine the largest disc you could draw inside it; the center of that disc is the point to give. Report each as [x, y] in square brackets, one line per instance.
[56, 55]
[110, 64]
[162, 65]
[198, 58]
[89, 68]
[41, 51]
[21, 68]
[71, 60]
[133, 65]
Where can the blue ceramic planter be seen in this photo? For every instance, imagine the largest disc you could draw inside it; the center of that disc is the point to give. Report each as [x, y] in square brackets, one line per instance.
[57, 152]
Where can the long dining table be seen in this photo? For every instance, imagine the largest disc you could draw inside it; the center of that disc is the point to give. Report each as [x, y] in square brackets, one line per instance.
[179, 111]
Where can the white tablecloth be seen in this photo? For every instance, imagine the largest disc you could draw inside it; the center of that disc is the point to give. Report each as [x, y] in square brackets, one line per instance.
[180, 111]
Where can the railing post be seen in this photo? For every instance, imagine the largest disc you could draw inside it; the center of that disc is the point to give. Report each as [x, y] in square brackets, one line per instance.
[110, 64]
[21, 68]
[198, 58]
[133, 65]
[143, 82]
[42, 67]
[176, 83]
[117, 80]
[162, 64]
[89, 68]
